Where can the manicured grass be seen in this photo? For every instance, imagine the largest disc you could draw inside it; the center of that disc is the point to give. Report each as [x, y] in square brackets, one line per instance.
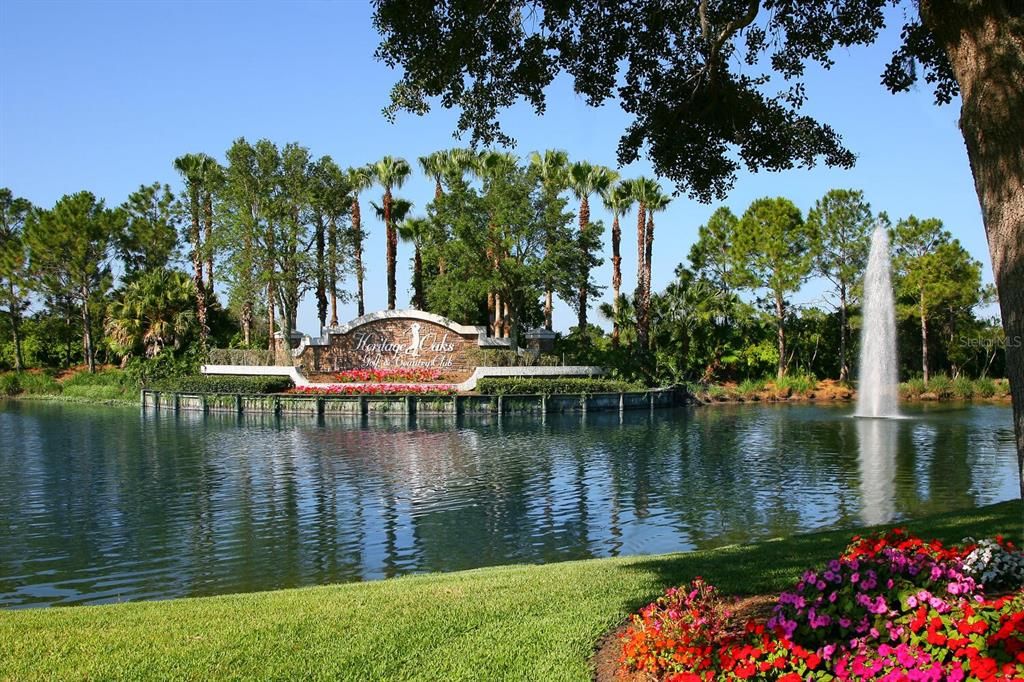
[517, 622]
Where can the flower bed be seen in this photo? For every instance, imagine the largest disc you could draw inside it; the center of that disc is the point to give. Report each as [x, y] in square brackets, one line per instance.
[891, 607]
[385, 376]
[376, 389]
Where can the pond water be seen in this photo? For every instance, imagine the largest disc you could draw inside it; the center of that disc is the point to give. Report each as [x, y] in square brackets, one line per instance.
[108, 504]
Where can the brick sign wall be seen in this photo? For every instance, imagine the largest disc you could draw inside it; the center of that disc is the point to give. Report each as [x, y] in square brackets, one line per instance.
[393, 343]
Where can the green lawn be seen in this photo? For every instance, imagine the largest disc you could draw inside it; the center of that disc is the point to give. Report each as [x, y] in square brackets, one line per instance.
[516, 622]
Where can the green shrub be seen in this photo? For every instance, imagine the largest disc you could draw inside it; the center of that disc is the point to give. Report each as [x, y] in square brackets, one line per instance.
[911, 390]
[10, 384]
[986, 388]
[38, 383]
[963, 388]
[1002, 388]
[498, 357]
[941, 385]
[749, 388]
[202, 383]
[551, 386]
[797, 383]
[112, 384]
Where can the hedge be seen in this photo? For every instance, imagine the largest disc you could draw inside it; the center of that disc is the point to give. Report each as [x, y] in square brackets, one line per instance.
[224, 384]
[554, 385]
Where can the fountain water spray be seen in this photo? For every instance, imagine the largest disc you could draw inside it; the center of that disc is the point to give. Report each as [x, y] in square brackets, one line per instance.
[878, 378]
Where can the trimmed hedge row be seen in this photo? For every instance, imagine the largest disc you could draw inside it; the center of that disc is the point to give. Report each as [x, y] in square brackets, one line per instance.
[552, 386]
[224, 384]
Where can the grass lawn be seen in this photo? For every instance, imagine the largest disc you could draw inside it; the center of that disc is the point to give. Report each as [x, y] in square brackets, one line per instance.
[515, 622]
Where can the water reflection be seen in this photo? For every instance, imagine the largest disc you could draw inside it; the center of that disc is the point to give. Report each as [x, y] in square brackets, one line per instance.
[106, 505]
[876, 440]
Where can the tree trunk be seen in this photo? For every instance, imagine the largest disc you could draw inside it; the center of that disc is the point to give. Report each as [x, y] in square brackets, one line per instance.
[985, 46]
[357, 247]
[506, 320]
[208, 239]
[780, 318]
[844, 335]
[392, 244]
[332, 269]
[616, 278]
[247, 323]
[497, 315]
[490, 312]
[417, 280]
[924, 342]
[321, 271]
[271, 322]
[19, 360]
[581, 317]
[549, 306]
[90, 356]
[197, 273]
[648, 253]
[641, 242]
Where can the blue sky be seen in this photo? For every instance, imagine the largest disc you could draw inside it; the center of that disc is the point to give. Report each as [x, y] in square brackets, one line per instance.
[104, 95]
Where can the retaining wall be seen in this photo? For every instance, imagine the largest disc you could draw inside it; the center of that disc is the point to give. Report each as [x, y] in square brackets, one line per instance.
[327, 405]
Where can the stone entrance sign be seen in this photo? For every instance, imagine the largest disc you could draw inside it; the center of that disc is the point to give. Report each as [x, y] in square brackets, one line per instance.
[396, 339]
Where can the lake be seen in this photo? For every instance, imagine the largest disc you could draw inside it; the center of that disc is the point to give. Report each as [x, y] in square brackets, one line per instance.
[104, 504]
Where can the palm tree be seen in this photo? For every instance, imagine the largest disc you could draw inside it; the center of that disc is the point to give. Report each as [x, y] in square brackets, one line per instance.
[552, 169]
[434, 166]
[212, 179]
[399, 210]
[643, 191]
[618, 200]
[391, 173]
[416, 231]
[359, 178]
[155, 312]
[655, 203]
[623, 317]
[193, 169]
[586, 179]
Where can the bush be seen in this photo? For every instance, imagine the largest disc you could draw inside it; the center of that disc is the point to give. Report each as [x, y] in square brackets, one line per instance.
[986, 388]
[941, 385]
[963, 388]
[10, 383]
[749, 388]
[912, 389]
[225, 384]
[797, 383]
[497, 357]
[552, 386]
[111, 384]
[1002, 388]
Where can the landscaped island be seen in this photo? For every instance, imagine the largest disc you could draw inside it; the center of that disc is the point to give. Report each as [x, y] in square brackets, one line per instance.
[515, 622]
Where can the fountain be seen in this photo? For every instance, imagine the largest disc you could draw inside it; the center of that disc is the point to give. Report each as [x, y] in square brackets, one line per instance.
[876, 391]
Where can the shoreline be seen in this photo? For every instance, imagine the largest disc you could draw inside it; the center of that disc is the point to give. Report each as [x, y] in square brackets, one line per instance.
[506, 622]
